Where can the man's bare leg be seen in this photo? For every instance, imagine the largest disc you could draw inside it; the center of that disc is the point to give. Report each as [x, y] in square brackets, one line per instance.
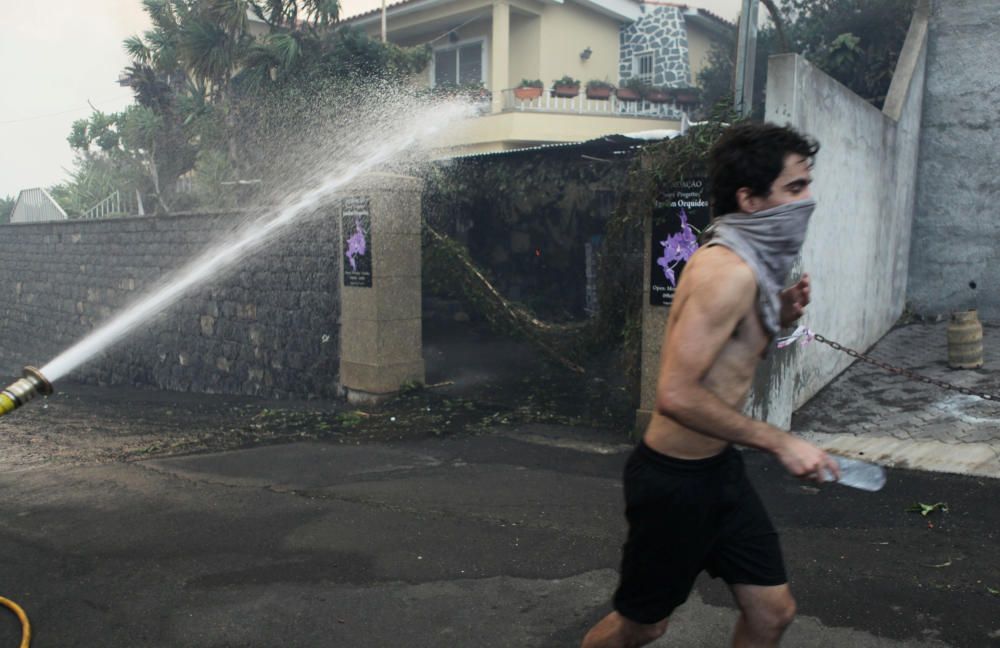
[765, 613]
[615, 631]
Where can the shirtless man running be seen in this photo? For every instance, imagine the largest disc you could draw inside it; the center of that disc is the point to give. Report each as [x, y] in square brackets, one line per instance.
[689, 504]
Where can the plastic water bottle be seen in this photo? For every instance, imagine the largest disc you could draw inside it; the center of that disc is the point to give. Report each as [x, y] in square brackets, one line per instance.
[859, 474]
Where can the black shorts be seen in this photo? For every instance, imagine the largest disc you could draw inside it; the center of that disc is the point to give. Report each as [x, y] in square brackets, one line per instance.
[685, 517]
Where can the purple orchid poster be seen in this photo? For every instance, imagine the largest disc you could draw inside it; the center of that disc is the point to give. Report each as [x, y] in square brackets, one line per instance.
[356, 227]
[680, 214]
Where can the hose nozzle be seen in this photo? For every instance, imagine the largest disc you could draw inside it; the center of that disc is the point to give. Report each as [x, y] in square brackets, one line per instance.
[23, 390]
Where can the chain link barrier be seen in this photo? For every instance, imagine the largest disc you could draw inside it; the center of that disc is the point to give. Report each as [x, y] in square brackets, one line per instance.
[906, 373]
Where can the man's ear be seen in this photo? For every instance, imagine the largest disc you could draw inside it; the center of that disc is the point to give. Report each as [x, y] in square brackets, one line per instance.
[746, 200]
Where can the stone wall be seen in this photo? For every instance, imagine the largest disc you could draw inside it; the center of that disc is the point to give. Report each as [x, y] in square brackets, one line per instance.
[858, 246]
[956, 233]
[269, 327]
[663, 32]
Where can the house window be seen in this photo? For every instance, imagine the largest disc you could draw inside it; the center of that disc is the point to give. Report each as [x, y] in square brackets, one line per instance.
[459, 65]
[642, 67]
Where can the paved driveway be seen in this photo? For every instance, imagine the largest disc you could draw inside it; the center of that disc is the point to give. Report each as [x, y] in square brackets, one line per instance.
[901, 422]
[507, 537]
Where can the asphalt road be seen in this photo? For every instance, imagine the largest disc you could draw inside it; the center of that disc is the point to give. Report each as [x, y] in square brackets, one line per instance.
[507, 537]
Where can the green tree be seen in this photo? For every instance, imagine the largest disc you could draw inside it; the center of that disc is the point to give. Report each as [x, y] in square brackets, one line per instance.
[114, 153]
[295, 81]
[316, 14]
[717, 78]
[6, 207]
[213, 177]
[205, 87]
[181, 70]
[857, 42]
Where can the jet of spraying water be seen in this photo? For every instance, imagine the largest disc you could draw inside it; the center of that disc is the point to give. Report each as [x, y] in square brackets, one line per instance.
[397, 136]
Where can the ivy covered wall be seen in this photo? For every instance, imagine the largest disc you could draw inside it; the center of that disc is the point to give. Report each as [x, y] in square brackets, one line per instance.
[534, 220]
[519, 224]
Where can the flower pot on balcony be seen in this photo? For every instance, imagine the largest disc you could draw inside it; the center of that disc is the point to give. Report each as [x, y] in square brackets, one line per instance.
[657, 96]
[599, 93]
[566, 91]
[527, 93]
[627, 94]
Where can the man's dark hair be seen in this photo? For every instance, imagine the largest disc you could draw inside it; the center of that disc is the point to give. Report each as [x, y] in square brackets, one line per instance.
[752, 155]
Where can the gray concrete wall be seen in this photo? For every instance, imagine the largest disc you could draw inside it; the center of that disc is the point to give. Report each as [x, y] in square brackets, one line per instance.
[956, 234]
[858, 246]
[270, 327]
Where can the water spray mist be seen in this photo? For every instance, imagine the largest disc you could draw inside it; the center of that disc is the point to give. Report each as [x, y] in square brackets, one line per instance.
[23, 390]
[397, 137]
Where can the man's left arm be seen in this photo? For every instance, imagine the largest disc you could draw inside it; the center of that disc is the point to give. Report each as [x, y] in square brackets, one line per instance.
[794, 301]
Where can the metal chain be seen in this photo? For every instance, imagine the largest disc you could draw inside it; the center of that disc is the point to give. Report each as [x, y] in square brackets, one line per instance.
[906, 372]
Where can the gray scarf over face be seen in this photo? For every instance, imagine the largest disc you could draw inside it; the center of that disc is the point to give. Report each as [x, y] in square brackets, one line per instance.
[769, 242]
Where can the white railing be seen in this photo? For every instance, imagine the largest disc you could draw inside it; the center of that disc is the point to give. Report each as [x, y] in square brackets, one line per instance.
[110, 207]
[580, 104]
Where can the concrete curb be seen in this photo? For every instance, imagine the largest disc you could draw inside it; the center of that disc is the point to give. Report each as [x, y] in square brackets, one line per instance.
[975, 459]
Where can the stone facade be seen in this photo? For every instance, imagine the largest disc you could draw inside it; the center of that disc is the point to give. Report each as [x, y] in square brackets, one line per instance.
[269, 327]
[662, 32]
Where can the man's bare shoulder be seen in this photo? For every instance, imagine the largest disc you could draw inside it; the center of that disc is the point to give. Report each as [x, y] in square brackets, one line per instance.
[717, 271]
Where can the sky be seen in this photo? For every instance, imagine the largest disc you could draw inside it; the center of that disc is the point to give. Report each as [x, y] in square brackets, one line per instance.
[58, 55]
[55, 56]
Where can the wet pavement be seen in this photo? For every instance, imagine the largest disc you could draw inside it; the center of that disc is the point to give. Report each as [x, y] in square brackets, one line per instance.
[504, 538]
[899, 421]
[140, 518]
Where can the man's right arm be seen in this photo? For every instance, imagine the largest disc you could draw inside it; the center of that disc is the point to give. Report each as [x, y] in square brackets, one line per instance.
[720, 294]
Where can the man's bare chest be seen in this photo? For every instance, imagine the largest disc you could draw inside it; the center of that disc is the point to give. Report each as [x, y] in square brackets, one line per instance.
[732, 372]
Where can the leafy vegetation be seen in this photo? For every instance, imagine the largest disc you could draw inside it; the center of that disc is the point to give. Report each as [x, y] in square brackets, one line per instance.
[214, 91]
[527, 193]
[6, 207]
[620, 289]
[636, 84]
[857, 42]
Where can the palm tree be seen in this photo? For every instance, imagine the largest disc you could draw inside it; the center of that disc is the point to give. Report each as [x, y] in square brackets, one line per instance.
[316, 14]
[208, 53]
[199, 59]
[161, 83]
[194, 45]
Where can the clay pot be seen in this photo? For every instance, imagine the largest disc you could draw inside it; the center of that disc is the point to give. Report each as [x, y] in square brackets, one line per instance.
[598, 93]
[566, 90]
[965, 340]
[527, 93]
[627, 94]
[657, 96]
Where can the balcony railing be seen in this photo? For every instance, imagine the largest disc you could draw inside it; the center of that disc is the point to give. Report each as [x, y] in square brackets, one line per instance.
[581, 105]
